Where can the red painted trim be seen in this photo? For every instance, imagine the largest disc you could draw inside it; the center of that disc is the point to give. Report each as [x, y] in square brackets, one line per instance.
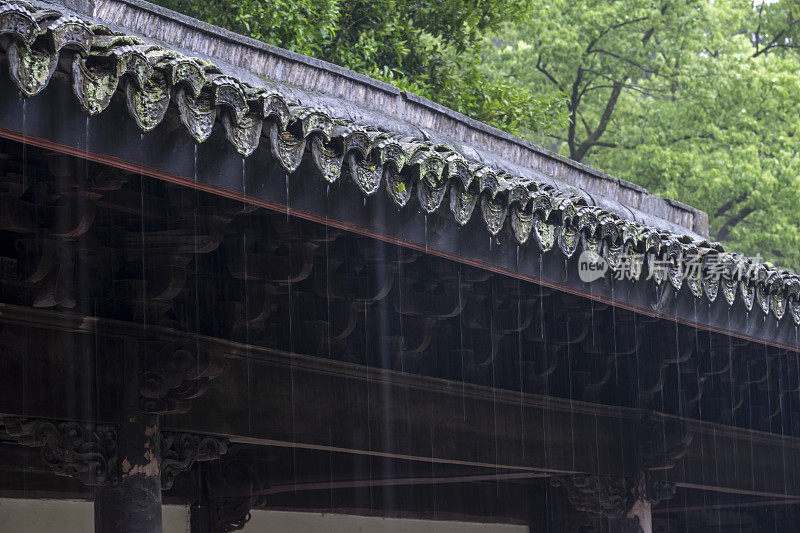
[352, 228]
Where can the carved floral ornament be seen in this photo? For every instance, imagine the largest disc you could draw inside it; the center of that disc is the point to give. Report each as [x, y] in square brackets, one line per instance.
[89, 452]
[612, 496]
[151, 79]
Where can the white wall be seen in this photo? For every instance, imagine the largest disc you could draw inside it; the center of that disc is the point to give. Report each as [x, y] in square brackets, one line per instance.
[51, 516]
[291, 522]
[63, 516]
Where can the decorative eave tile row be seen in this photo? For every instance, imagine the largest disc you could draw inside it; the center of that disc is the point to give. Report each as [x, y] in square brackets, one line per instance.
[101, 63]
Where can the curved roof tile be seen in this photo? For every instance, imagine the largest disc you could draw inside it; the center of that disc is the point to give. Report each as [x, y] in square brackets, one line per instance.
[539, 212]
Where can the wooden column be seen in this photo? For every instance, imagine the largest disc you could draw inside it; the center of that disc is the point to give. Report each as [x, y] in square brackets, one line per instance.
[200, 511]
[200, 520]
[134, 504]
[643, 513]
[625, 525]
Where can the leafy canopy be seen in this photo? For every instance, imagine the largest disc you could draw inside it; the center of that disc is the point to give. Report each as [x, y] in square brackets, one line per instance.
[429, 47]
[694, 99]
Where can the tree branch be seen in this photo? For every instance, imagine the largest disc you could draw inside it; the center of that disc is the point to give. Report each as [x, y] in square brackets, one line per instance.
[607, 145]
[586, 126]
[624, 59]
[547, 74]
[724, 208]
[574, 100]
[758, 28]
[774, 43]
[726, 228]
[592, 139]
[642, 90]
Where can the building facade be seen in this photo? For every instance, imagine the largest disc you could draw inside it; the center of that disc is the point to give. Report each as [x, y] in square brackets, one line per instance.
[243, 285]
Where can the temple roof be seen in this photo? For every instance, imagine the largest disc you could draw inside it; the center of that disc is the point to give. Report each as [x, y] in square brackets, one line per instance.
[377, 105]
[413, 164]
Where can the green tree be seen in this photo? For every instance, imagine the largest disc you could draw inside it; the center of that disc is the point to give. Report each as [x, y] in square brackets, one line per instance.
[428, 47]
[693, 99]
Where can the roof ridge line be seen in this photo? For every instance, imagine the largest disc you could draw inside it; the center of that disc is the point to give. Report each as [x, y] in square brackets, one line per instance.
[153, 80]
[295, 69]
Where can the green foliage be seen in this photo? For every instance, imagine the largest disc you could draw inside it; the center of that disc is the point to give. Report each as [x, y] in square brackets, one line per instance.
[428, 47]
[693, 99]
[299, 25]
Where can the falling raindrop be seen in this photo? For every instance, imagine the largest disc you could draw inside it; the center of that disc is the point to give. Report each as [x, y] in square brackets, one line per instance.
[327, 278]
[732, 382]
[570, 390]
[426, 233]
[400, 314]
[144, 264]
[461, 345]
[287, 195]
[616, 370]
[698, 367]
[680, 393]
[292, 377]
[86, 149]
[493, 356]
[368, 365]
[750, 422]
[195, 260]
[591, 313]
[664, 442]
[519, 362]
[779, 365]
[541, 298]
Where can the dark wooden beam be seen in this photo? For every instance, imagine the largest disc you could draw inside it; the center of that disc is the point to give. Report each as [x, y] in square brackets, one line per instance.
[267, 397]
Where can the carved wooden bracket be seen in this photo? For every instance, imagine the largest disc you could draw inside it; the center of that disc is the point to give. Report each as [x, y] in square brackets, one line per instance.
[658, 491]
[86, 452]
[229, 514]
[173, 375]
[664, 442]
[51, 210]
[89, 452]
[607, 495]
[179, 451]
[232, 487]
[614, 497]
